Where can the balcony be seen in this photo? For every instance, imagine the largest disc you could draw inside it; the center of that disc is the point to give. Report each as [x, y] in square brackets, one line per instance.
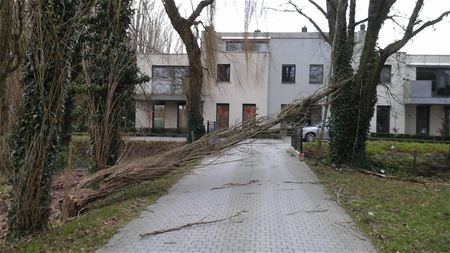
[421, 92]
[167, 83]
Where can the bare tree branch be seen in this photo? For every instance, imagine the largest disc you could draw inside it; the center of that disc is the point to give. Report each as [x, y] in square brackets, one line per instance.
[321, 32]
[409, 31]
[319, 8]
[198, 11]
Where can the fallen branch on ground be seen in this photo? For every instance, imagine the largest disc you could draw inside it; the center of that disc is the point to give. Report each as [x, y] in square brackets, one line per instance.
[108, 181]
[234, 184]
[162, 231]
[308, 211]
[401, 179]
[302, 182]
[338, 195]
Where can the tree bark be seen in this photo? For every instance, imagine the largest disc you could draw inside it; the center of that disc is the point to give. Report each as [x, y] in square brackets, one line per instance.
[353, 109]
[183, 26]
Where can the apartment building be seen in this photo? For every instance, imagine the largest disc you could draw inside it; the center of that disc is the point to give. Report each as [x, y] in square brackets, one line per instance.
[256, 74]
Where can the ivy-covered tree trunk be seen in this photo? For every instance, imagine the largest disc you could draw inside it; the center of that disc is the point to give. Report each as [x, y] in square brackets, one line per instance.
[36, 138]
[342, 104]
[352, 108]
[183, 26]
[112, 75]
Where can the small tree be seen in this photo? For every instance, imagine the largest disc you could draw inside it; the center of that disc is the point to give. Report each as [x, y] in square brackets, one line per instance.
[111, 74]
[184, 27]
[53, 34]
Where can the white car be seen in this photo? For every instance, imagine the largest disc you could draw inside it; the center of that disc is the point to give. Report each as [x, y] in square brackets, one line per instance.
[310, 133]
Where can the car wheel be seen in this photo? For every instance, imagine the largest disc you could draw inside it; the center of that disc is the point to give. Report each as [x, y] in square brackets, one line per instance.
[310, 137]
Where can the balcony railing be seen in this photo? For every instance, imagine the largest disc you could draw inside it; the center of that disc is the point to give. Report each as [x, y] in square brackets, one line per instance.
[422, 92]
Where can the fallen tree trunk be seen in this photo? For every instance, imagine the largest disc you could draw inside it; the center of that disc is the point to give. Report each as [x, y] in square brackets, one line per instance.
[113, 179]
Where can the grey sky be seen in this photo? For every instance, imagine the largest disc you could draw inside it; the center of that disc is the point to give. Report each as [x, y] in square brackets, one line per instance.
[435, 40]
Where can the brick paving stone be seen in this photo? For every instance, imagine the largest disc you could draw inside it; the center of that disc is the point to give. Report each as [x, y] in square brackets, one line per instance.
[278, 215]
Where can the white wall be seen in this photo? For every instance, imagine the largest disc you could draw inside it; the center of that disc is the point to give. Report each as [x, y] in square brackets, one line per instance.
[248, 85]
[144, 104]
[393, 95]
[301, 49]
[143, 114]
[145, 63]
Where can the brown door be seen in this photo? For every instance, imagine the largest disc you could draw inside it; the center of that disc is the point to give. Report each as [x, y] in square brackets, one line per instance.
[223, 116]
[248, 112]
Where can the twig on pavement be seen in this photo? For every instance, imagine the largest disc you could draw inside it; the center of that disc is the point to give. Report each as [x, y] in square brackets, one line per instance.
[162, 231]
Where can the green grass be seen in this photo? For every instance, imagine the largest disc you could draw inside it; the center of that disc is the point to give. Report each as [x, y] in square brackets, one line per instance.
[397, 157]
[374, 147]
[397, 216]
[93, 229]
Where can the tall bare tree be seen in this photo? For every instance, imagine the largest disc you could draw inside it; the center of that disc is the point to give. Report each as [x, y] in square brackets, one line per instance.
[185, 28]
[152, 31]
[353, 108]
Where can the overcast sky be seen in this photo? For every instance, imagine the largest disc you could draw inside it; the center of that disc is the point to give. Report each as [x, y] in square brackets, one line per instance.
[435, 40]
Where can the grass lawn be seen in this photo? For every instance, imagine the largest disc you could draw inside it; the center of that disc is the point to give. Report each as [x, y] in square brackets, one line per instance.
[398, 216]
[93, 229]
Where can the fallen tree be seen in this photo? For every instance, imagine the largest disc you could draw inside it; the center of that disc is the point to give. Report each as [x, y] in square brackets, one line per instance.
[113, 179]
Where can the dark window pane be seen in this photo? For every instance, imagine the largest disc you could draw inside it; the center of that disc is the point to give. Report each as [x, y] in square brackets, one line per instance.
[169, 79]
[223, 72]
[233, 46]
[288, 73]
[383, 118]
[315, 115]
[251, 45]
[385, 75]
[316, 74]
[423, 120]
[158, 116]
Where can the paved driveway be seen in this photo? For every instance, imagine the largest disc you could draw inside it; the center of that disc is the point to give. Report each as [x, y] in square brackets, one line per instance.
[278, 205]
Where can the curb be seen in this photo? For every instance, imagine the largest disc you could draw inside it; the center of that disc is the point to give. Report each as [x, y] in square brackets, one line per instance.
[296, 153]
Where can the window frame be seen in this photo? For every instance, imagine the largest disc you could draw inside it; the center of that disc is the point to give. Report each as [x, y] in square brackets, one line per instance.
[387, 66]
[153, 114]
[174, 86]
[321, 77]
[219, 77]
[283, 66]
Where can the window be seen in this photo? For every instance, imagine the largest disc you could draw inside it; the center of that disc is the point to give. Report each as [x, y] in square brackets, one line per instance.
[385, 75]
[315, 115]
[423, 120]
[316, 74]
[383, 119]
[169, 79]
[248, 112]
[222, 116]
[182, 116]
[223, 72]
[445, 121]
[240, 46]
[158, 115]
[439, 77]
[288, 73]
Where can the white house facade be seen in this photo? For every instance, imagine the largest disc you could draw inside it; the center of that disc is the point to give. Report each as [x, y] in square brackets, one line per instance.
[256, 74]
